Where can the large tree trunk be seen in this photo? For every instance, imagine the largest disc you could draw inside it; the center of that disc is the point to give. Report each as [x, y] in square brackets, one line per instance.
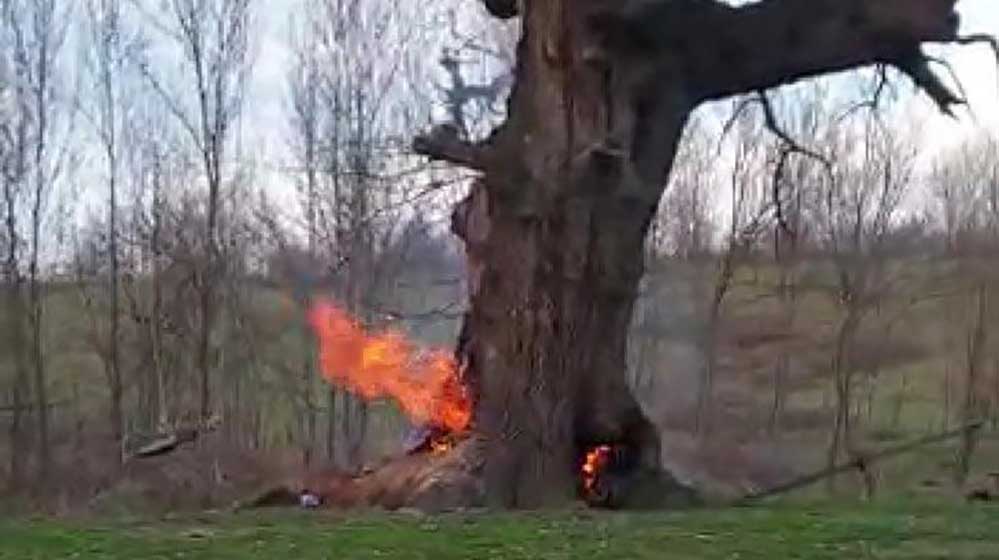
[549, 332]
[559, 255]
[573, 179]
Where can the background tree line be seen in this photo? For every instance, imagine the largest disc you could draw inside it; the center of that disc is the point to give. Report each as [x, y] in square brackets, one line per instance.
[806, 297]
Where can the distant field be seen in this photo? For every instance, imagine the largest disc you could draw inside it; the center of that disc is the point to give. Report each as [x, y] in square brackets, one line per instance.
[891, 531]
[908, 382]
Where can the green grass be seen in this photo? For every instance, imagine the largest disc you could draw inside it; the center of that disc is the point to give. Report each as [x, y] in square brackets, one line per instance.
[817, 532]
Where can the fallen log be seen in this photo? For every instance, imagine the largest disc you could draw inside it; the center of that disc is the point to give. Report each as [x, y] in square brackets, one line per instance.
[859, 463]
[425, 480]
[166, 443]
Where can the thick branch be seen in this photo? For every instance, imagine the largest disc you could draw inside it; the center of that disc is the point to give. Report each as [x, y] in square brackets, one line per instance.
[723, 50]
[444, 143]
[780, 41]
[916, 65]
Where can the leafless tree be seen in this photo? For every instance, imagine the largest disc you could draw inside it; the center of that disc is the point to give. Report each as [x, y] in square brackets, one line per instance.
[107, 107]
[621, 81]
[963, 185]
[13, 166]
[749, 210]
[684, 225]
[792, 179]
[37, 30]
[304, 80]
[872, 167]
[349, 103]
[214, 38]
[155, 167]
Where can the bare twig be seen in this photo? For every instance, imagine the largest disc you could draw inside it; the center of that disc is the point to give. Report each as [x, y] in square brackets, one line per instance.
[770, 118]
[874, 102]
[982, 38]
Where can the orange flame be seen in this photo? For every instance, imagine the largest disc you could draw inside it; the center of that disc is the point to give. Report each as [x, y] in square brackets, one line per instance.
[387, 365]
[439, 446]
[595, 461]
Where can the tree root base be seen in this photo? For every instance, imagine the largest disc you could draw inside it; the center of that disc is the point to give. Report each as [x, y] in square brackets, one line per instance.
[452, 481]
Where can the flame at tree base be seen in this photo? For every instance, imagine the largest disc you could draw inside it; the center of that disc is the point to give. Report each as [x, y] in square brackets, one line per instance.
[594, 462]
[441, 445]
[425, 383]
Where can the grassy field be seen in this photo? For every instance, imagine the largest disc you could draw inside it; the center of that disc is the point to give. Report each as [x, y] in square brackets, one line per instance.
[897, 531]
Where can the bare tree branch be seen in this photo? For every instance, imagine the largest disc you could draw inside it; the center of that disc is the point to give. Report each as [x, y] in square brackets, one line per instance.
[444, 143]
[979, 38]
[874, 101]
[916, 65]
[769, 43]
[770, 118]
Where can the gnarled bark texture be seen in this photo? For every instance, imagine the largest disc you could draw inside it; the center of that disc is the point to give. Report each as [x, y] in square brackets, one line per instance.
[555, 227]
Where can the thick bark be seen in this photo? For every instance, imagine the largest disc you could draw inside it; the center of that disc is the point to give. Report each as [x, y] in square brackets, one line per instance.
[723, 50]
[573, 178]
[558, 265]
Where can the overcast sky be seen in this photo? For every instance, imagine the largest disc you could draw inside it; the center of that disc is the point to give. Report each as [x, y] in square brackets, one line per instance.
[976, 66]
[265, 131]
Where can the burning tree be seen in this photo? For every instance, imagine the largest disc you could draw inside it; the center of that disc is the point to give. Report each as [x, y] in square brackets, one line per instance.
[425, 384]
[555, 226]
